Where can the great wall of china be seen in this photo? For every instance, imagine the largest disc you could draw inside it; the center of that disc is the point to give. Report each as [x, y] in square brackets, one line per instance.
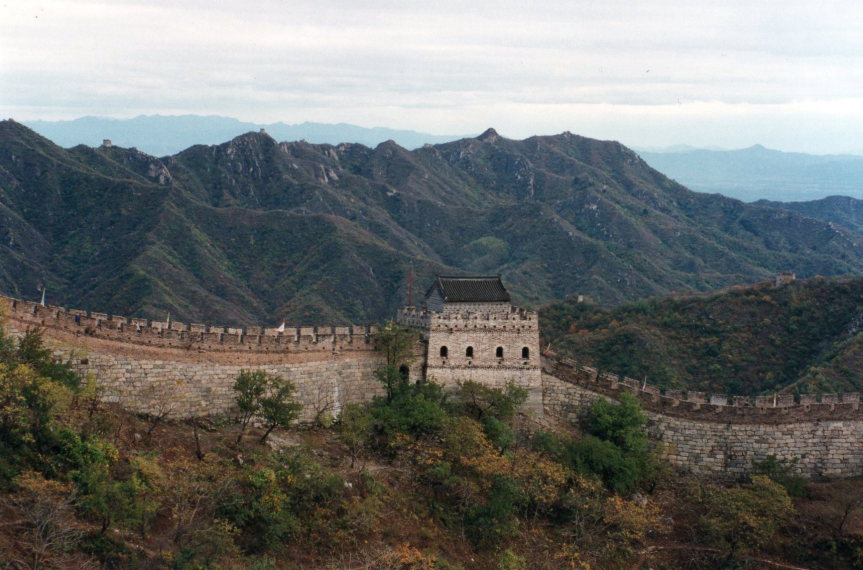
[150, 366]
[146, 366]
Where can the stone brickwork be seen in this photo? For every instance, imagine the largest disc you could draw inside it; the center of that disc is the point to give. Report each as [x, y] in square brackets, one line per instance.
[198, 337]
[722, 440]
[201, 387]
[772, 409]
[150, 366]
[494, 348]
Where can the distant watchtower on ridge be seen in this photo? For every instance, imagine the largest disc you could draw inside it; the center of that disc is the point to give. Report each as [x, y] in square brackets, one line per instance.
[471, 331]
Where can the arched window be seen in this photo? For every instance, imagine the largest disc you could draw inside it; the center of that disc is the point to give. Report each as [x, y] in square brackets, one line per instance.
[469, 352]
[525, 352]
[499, 352]
[404, 371]
[443, 352]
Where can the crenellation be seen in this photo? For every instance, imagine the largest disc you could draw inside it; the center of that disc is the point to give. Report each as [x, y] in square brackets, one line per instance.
[725, 440]
[196, 336]
[785, 400]
[141, 362]
[770, 408]
[718, 400]
[696, 397]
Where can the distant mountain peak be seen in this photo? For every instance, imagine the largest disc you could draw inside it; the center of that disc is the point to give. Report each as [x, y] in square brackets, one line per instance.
[251, 230]
[164, 135]
[490, 135]
[260, 135]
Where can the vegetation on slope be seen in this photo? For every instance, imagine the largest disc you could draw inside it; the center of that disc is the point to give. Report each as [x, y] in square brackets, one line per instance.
[415, 480]
[803, 336]
[255, 231]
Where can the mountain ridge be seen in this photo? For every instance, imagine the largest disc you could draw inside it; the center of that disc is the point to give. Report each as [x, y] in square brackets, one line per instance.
[253, 230]
[758, 172]
[162, 135]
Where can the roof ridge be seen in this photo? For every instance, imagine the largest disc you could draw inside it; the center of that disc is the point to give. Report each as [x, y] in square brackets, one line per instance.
[470, 289]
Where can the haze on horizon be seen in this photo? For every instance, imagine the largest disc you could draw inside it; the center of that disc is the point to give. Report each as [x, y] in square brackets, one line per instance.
[717, 73]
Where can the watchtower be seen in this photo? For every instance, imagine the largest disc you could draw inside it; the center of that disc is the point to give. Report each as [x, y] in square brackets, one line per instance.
[471, 331]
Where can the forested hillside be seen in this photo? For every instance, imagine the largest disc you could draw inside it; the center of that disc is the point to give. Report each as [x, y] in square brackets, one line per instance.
[803, 336]
[256, 231]
[419, 479]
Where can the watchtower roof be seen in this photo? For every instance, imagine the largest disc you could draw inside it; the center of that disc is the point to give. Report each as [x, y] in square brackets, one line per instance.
[475, 289]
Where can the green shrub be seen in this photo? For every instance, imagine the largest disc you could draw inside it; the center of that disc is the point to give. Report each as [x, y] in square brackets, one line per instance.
[509, 560]
[498, 432]
[495, 521]
[622, 423]
[414, 410]
[478, 400]
[619, 470]
[782, 471]
[548, 443]
[292, 497]
[616, 447]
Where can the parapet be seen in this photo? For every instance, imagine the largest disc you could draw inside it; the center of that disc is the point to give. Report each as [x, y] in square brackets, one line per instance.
[514, 318]
[774, 408]
[190, 336]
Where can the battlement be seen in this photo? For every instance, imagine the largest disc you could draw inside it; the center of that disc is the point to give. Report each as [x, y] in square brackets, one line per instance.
[513, 318]
[191, 336]
[775, 408]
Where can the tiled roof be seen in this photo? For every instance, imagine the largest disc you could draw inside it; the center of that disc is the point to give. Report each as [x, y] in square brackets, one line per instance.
[478, 289]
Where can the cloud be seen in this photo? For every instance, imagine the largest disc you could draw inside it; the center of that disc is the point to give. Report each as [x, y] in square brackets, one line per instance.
[400, 63]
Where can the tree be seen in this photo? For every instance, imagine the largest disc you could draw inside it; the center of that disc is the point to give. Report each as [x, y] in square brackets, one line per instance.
[250, 387]
[396, 344]
[481, 400]
[620, 423]
[393, 380]
[615, 447]
[278, 407]
[355, 426]
[268, 395]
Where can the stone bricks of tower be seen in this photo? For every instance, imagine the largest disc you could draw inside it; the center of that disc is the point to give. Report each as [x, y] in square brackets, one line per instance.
[471, 331]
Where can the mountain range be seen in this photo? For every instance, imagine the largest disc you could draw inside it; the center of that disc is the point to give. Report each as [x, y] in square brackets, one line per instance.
[256, 231]
[759, 173]
[161, 135]
[750, 174]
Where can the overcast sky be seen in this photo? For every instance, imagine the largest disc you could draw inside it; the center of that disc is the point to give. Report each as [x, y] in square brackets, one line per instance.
[728, 73]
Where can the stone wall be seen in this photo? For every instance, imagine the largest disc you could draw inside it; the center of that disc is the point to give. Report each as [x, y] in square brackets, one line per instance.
[699, 406]
[464, 346]
[828, 443]
[149, 366]
[190, 336]
[190, 369]
[200, 387]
